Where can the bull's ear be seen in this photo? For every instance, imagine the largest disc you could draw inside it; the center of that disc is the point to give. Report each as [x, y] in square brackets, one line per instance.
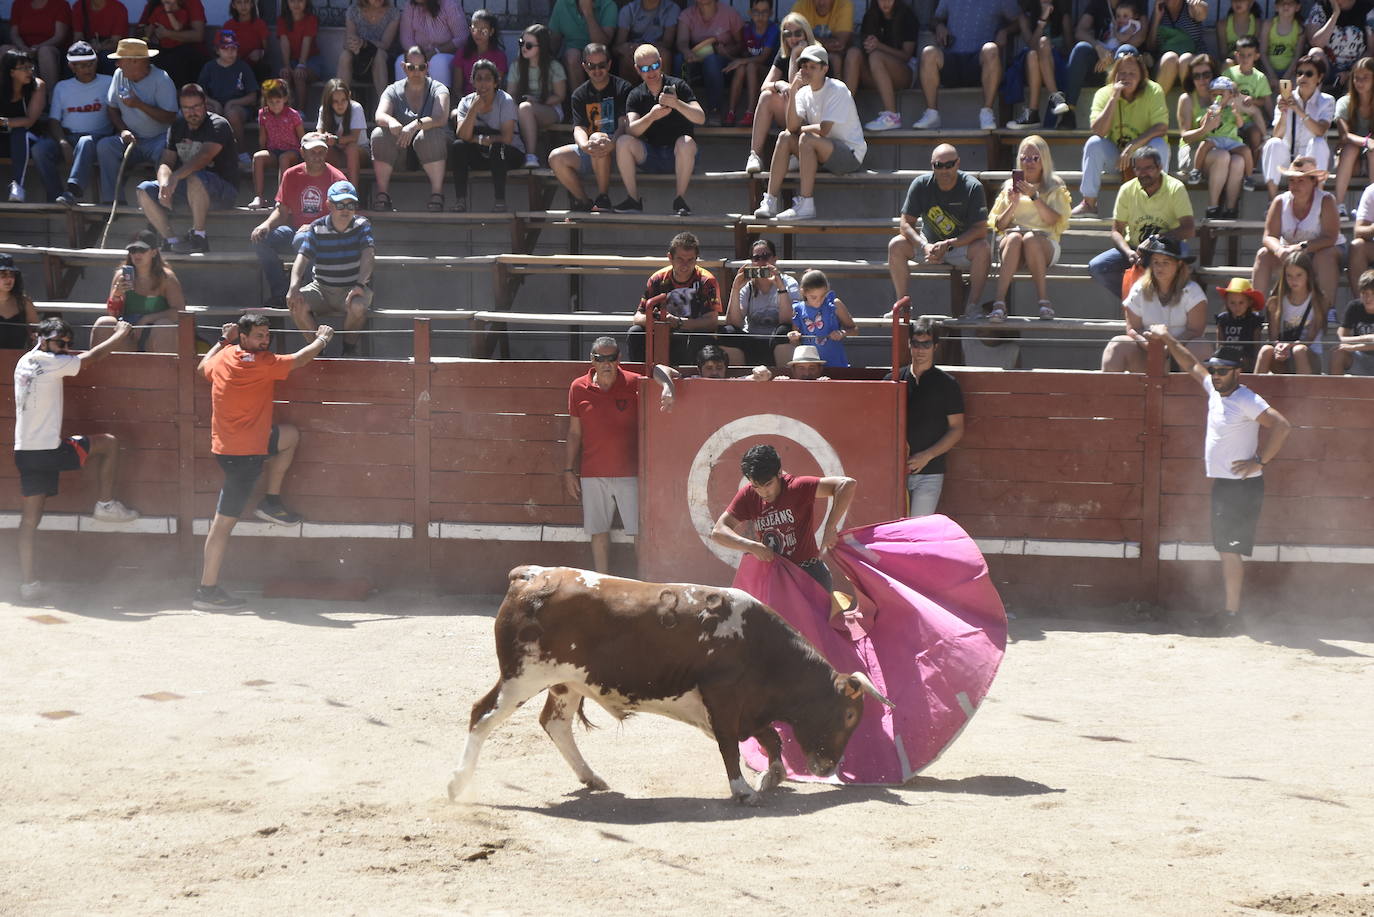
[858, 684]
[846, 685]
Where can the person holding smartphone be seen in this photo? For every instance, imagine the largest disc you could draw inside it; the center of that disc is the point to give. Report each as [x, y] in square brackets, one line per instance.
[146, 293]
[759, 308]
[663, 116]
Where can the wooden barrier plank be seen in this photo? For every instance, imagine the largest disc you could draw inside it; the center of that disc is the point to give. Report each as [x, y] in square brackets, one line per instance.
[1064, 581]
[488, 454]
[506, 513]
[1053, 499]
[1046, 465]
[1284, 477]
[129, 371]
[1036, 404]
[495, 374]
[342, 418]
[1048, 382]
[342, 482]
[322, 508]
[524, 427]
[1007, 525]
[993, 432]
[499, 400]
[88, 404]
[1314, 412]
[340, 448]
[151, 498]
[448, 486]
[1282, 519]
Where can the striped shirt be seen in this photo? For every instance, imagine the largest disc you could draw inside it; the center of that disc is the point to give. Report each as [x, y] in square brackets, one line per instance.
[337, 253]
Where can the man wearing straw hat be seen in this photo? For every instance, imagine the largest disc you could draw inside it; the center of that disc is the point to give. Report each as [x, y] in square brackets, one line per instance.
[143, 104]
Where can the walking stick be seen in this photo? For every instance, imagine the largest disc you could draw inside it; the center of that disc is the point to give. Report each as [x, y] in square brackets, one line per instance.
[119, 188]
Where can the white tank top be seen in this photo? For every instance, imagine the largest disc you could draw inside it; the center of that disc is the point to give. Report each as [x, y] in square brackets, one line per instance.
[1290, 313]
[1310, 226]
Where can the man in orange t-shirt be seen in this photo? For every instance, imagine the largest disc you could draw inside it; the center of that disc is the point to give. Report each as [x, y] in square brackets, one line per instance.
[243, 373]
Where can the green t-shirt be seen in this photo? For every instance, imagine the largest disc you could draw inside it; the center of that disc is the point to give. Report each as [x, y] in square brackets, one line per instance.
[1145, 215]
[1255, 84]
[566, 19]
[1228, 127]
[1135, 116]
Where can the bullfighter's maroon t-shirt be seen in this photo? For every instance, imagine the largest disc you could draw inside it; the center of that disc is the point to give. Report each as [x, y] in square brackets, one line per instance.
[784, 525]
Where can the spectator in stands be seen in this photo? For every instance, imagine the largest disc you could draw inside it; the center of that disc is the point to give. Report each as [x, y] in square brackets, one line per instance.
[1243, 20]
[436, 28]
[965, 53]
[934, 418]
[574, 24]
[1355, 354]
[883, 58]
[143, 105]
[412, 117]
[298, 30]
[952, 207]
[1046, 53]
[231, 89]
[1030, 215]
[1176, 34]
[483, 43]
[832, 25]
[1234, 461]
[1255, 93]
[1128, 114]
[177, 29]
[1282, 43]
[370, 28]
[1355, 127]
[41, 453]
[149, 299]
[1241, 320]
[1297, 320]
[599, 119]
[823, 131]
[280, 129]
[713, 362]
[199, 166]
[41, 29]
[759, 311]
[775, 96]
[23, 101]
[759, 43]
[1336, 30]
[663, 115]
[251, 31]
[1100, 30]
[645, 22]
[689, 297]
[1165, 294]
[602, 458]
[338, 247]
[18, 317]
[108, 23]
[1214, 112]
[1361, 254]
[709, 37]
[1151, 204]
[1301, 120]
[806, 365]
[1302, 219]
[301, 200]
[821, 319]
[344, 127]
[485, 128]
[539, 84]
[243, 372]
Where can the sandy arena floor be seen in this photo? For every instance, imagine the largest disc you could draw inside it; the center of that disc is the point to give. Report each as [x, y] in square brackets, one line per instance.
[293, 760]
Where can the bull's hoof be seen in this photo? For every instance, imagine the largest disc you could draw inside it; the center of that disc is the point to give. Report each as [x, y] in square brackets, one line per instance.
[772, 778]
[749, 799]
[595, 783]
[457, 788]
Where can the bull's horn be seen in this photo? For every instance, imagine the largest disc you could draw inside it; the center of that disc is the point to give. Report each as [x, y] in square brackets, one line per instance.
[869, 688]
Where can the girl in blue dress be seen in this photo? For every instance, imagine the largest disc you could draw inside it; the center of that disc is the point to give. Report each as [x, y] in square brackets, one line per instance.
[821, 316]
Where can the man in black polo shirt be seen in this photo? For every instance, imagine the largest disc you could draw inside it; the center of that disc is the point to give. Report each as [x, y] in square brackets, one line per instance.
[598, 117]
[200, 165]
[663, 118]
[934, 418]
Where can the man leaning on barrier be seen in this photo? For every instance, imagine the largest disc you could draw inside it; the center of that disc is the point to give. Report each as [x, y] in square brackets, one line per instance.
[341, 249]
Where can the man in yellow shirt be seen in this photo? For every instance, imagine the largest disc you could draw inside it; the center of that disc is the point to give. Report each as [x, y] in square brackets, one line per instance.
[833, 23]
[1151, 204]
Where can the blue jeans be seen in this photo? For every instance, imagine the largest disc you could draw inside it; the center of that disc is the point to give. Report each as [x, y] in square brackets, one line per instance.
[1082, 61]
[21, 141]
[923, 491]
[1100, 156]
[1109, 269]
[47, 154]
[281, 242]
[713, 75]
[110, 151]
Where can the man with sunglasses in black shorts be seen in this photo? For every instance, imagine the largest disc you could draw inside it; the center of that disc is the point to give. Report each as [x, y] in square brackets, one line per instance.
[1234, 460]
[41, 453]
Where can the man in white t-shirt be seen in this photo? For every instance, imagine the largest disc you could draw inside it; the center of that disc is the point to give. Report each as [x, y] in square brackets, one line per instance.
[823, 131]
[41, 453]
[1234, 460]
[79, 106]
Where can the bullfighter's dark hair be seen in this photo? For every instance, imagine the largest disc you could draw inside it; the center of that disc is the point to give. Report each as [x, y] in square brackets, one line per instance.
[925, 327]
[53, 327]
[686, 241]
[760, 464]
[250, 320]
[711, 353]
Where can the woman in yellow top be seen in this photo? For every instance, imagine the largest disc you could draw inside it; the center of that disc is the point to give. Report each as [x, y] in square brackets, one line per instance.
[1030, 215]
[1127, 114]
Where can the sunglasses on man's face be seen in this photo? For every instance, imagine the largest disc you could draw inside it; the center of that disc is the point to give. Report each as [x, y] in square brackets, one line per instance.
[596, 64]
[944, 165]
[60, 343]
[529, 44]
[649, 68]
[345, 205]
[1220, 370]
[605, 357]
[1307, 73]
[791, 33]
[417, 66]
[922, 345]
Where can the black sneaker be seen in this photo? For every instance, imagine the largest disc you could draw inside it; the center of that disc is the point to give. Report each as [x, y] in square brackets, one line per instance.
[602, 204]
[680, 206]
[580, 205]
[192, 244]
[275, 512]
[213, 598]
[630, 205]
[1214, 213]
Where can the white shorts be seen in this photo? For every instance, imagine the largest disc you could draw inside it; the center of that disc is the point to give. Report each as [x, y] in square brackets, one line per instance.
[602, 496]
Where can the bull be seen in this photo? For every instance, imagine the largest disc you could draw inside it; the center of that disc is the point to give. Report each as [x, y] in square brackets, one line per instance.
[717, 659]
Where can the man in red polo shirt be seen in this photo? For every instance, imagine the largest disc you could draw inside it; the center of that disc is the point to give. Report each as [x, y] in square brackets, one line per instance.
[302, 198]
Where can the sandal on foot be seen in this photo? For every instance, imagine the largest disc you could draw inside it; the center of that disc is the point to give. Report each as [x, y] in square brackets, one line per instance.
[381, 201]
[998, 313]
[436, 203]
[1046, 310]
[460, 205]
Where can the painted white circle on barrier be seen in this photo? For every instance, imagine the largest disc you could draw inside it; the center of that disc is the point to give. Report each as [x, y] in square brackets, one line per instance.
[699, 477]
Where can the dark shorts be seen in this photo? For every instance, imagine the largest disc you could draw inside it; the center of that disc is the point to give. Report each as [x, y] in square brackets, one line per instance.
[961, 69]
[818, 571]
[223, 195]
[658, 160]
[1235, 511]
[241, 473]
[39, 469]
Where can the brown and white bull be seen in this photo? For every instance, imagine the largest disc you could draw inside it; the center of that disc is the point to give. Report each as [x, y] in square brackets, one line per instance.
[713, 658]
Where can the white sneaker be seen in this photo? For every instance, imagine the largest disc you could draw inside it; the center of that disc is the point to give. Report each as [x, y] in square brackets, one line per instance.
[531, 161]
[16, 193]
[803, 208]
[753, 165]
[987, 120]
[1058, 104]
[793, 163]
[768, 207]
[32, 592]
[929, 121]
[886, 121]
[114, 511]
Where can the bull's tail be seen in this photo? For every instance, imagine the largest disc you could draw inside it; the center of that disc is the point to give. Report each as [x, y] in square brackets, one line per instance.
[586, 723]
